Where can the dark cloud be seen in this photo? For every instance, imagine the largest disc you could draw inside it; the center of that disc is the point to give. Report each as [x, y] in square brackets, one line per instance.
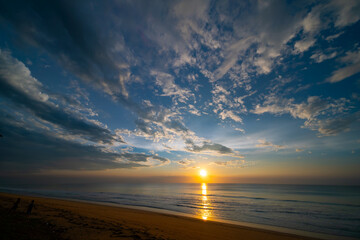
[78, 36]
[60, 28]
[24, 149]
[208, 147]
[144, 127]
[141, 157]
[17, 85]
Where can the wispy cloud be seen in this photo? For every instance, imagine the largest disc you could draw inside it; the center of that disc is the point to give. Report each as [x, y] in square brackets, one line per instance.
[240, 130]
[264, 144]
[311, 110]
[170, 89]
[187, 163]
[352, 60]
[320, 57]
[231, 163]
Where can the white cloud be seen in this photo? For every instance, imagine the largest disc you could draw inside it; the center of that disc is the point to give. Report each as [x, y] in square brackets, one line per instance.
[218, 89]
[170, 88]
[123, 79]
[312, 23]
[320, 57]
[227, 104]
[19, 76]
[232, 55]
[184, 59]
[352, 60]
[194, 110]
[264, 65]
[304, 45]
[334, 36]
[347, 12]
[240, 130]
[229, 114]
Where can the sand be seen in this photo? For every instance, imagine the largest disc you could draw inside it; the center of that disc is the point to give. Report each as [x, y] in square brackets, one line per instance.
[65, 219]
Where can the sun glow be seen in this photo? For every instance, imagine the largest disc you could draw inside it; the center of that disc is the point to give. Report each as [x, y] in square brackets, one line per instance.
[203, 173]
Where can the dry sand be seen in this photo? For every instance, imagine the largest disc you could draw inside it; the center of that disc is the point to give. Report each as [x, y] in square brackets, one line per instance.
[63, 219]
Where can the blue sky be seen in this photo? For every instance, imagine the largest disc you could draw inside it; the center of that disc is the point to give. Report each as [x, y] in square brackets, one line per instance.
[246, 89]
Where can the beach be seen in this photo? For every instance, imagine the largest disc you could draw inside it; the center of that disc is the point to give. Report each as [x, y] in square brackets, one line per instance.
[65, 219]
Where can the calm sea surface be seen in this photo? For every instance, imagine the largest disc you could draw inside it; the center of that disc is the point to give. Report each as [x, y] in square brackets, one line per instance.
[332, 210]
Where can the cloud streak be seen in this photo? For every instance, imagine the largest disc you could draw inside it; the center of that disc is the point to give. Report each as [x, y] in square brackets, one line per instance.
[352, 60]
[265, 144]
[63, 32]
[27, 93]
[29, 149]
[231, 163]
[210, 148]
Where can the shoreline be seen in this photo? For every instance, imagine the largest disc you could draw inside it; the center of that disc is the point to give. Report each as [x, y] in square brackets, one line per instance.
[254, 226]
[249, 229]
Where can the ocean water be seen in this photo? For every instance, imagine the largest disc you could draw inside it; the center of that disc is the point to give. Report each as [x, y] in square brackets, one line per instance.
[333, 210]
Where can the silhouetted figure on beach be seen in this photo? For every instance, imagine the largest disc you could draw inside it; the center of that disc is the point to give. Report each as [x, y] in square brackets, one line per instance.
[15, 206]
[30, 207]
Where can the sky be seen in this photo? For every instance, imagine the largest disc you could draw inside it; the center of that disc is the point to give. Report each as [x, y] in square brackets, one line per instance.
[252, 91]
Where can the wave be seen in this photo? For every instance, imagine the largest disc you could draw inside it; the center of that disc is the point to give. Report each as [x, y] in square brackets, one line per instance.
[283, 200]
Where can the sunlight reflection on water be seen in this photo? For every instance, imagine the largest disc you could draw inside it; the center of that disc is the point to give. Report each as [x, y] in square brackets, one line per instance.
[205, 204]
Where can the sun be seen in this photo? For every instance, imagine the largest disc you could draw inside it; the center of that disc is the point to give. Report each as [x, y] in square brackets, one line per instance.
[203, 173]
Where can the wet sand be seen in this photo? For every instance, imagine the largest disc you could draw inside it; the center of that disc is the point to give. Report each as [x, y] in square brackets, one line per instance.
[66, 219]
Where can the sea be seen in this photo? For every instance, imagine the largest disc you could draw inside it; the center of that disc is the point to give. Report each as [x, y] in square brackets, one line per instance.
[330, 210]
